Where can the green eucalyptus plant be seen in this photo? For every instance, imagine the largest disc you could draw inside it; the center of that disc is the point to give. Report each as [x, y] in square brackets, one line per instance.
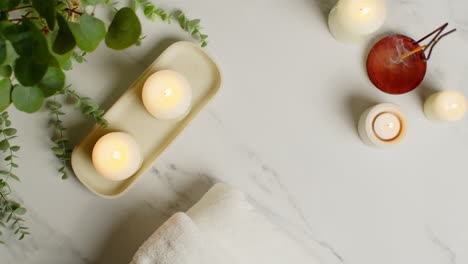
[39, 41]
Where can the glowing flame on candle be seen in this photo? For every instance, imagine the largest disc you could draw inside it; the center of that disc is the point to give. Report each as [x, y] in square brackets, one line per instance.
[390, 125]
[116, 155]
[454, 106]
[365, 10]
[168, 92]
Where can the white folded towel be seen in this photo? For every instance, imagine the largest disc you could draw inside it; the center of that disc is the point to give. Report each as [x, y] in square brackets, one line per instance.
[223, 228]
[179, 241]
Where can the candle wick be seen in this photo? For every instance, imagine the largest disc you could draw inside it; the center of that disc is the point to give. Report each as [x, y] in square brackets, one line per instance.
[168, 92]
[365, 10]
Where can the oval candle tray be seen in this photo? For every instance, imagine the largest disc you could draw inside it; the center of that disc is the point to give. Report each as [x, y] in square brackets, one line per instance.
[129, 115]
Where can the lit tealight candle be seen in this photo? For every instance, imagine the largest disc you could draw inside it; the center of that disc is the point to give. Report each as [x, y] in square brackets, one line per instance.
[446, 106]
[167, 95]
[116, 156]
[382, 125]
[353, 20]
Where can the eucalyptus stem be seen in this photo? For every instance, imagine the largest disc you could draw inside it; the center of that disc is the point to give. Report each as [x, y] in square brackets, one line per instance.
[9, 209]
[87, 108]
[13, 214]
[61, 150]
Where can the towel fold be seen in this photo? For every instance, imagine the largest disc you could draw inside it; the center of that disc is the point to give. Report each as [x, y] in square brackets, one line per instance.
[179, 241]
[222, 228]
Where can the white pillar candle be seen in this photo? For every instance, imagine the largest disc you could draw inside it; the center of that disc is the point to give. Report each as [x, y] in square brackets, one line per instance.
[167, 95]
[116, 156]
[382, 125]
[445, 106]
[353, 20]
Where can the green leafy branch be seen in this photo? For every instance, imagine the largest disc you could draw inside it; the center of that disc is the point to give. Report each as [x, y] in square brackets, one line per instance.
[153, 12]
[87, 108]
[192, 27]
[61, 149]
[8, 133]
[10, 210]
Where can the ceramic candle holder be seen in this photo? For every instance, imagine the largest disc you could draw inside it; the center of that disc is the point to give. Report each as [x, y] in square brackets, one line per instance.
[382, 125]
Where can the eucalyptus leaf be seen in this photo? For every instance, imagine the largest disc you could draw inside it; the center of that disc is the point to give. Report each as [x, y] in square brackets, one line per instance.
[124, 30]
[93, 28]
[88, 33]
[29, 71]
[10, 132]
[21, 38]
[64, 42]
[6, 71]
[5, 91]
[20, 211]
[4, 24]
[28, 40]
[15, 149]
[53, 81]
[4, 145]
[6, 5]
[3, 51]
[27, 99]
[60, 58]
[46, 9]
[11, 55]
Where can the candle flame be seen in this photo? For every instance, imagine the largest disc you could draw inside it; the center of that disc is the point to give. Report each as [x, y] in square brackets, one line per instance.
[116, 155]
[168, 92]
[391, 125]
[454, 106]
[365, 10]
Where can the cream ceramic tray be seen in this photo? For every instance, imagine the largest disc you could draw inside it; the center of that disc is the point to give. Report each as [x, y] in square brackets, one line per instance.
[129, 115]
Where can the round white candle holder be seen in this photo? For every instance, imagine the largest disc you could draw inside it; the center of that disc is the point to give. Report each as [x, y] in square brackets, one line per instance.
[367, 122]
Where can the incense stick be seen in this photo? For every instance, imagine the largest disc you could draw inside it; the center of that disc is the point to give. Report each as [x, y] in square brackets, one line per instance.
[431, 44]
[412, 52]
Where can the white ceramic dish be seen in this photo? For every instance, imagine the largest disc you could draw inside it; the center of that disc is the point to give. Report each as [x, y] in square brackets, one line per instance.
[129, 115]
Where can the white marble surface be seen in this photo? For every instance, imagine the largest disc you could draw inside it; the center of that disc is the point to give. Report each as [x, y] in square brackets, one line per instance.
[283, 129]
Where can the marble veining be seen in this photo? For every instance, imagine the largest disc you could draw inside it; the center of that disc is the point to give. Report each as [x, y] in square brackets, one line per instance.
[451, 255]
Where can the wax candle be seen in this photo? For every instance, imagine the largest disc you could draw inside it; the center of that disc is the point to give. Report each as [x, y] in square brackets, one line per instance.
[445, 106]
[382, 125]
[167, 95]
[116, 156]
[353, 20]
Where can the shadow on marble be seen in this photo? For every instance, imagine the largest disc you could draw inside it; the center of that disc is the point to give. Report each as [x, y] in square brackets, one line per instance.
[325, 6]
[140, 223]
[356, 104]
[424, 91]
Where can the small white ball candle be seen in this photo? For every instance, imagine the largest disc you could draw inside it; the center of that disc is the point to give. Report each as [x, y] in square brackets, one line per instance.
[446, 106]
[116, 156]
[353, 20]
[167, 95]
[382, 125]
